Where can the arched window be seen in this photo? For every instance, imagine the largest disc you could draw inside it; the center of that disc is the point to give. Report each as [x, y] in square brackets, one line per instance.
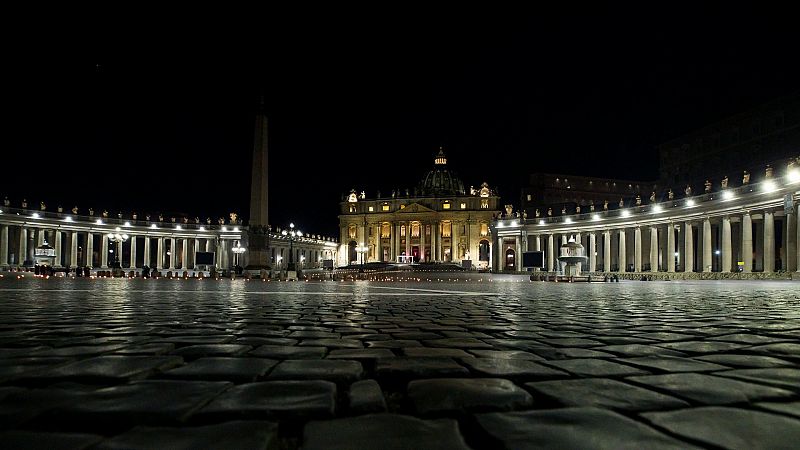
[352, 231]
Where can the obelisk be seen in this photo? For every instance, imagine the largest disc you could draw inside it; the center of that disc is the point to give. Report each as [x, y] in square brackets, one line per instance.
[257, 236]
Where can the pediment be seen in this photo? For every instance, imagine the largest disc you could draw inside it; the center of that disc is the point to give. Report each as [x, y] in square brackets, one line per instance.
[415, 208]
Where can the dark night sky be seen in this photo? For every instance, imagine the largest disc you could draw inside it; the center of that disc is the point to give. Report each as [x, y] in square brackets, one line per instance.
[158, 116]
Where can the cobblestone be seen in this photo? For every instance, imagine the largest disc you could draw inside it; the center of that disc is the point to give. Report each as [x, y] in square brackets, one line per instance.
[146, 363]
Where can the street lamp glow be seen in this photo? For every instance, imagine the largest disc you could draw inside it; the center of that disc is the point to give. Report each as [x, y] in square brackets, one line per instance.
[567, 220]
[625, 213]
[177, 227]
[793, 176]
[727, 195]
[541, 221]
[224, 228]
[99, 221]
[595, 216]
[716, 252]
[68, 219]
[769, 186]
[689, 202]
[35, 215]
[153, 226]
[202, 228]
[657, 208]
[127, 224]
[236, 229]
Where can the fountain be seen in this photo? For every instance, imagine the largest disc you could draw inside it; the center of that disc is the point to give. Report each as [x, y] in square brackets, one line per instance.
[571, 258]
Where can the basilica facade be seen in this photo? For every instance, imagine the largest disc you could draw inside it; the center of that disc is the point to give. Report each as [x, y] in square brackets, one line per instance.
[439, 220]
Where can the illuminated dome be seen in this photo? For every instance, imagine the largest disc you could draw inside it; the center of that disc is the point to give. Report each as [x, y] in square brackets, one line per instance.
[441, 182]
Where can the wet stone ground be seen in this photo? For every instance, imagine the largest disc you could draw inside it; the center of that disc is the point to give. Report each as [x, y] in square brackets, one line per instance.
[113, 364]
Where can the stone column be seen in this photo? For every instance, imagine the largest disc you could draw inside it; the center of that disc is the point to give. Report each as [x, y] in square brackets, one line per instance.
[637, 249]
[518, 253]
[538, 243]
[173, 252]
[439, 252]
[797, 242]
[73, 249]
[551, 257]
[454, 236]
[104, 252]
[607, 251]
[769, 242]
[23, 246]
[378, 245]
[623, 253]
[653, 249]
[185, 255]
[726, 245]
[397, 241]
[90, 250]
[133, 253]
[791, 242]
[3, 245]
[688, 247]
[160, 254]
[408, 238]
[747, 242]
[592, 251]
[57, 247]
[392, 239]
[40, 233]
[423, 255]
[707, 245]
[670, 253]
[146, 260]
[500, 254]
[195, 249]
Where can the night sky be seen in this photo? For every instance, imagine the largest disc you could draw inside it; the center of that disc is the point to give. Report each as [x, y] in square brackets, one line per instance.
[158, 115]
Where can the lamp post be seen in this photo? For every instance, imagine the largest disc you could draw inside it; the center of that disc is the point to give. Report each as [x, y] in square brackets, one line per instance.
[117, 238]
[237, 252]
[292, 234]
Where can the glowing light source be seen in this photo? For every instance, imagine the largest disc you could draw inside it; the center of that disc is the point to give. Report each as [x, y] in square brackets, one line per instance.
[99, 221]
[177, 227]
[716, 252]
[153, 226]
[657, 208]
[689, 202]
[541, 221]
[625, 213]
[727, 195]
[68, 219]
[595, 216]
[769, 186]
[793, 176]
[567, 220]
[202, 228]
[224, 228]
[127, 224]
[35, 215]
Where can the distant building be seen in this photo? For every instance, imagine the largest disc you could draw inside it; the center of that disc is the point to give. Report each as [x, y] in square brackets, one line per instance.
[767, 134]
[439, 220]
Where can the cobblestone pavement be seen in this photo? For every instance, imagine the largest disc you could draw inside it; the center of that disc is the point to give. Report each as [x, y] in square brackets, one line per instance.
[117, 364]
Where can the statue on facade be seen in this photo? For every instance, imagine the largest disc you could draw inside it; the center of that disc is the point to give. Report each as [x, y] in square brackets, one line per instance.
[406, 192]
[160, 217]
[147, 217]
[472, 190]
[768, 172]
[578, 209]
[725, 182]
[186, 220]
[74, 210]
[394, 193]
[208, 220]
[638, 200]
[708, 185]
[119, 215]
[688, 191]
[509, 209]
[549, 212]
[653, 197]
[605, 205]
[6, 202]
[196, 219]
[91, 212]
[621, 203]
[221, 221]
[524, 214]
[564, 210]
[105, 214]
[134, 216]
[537, 213]
[172, 219]
[24, 203]
[60, 209]
[363, 195]
[591, 207]
[671, 195]
[746, 177]
[42, 206]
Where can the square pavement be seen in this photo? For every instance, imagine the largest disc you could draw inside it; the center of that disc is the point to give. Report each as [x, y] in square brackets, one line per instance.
[107, 364]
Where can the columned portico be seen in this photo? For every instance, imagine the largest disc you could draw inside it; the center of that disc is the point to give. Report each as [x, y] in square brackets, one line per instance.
[592, 251]
[726, 245]
[769, 242]
[653, 249]
[707, 263]
[637, 249]
[747, 243]
[623, 254]
[669, 254]
[688, 247]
